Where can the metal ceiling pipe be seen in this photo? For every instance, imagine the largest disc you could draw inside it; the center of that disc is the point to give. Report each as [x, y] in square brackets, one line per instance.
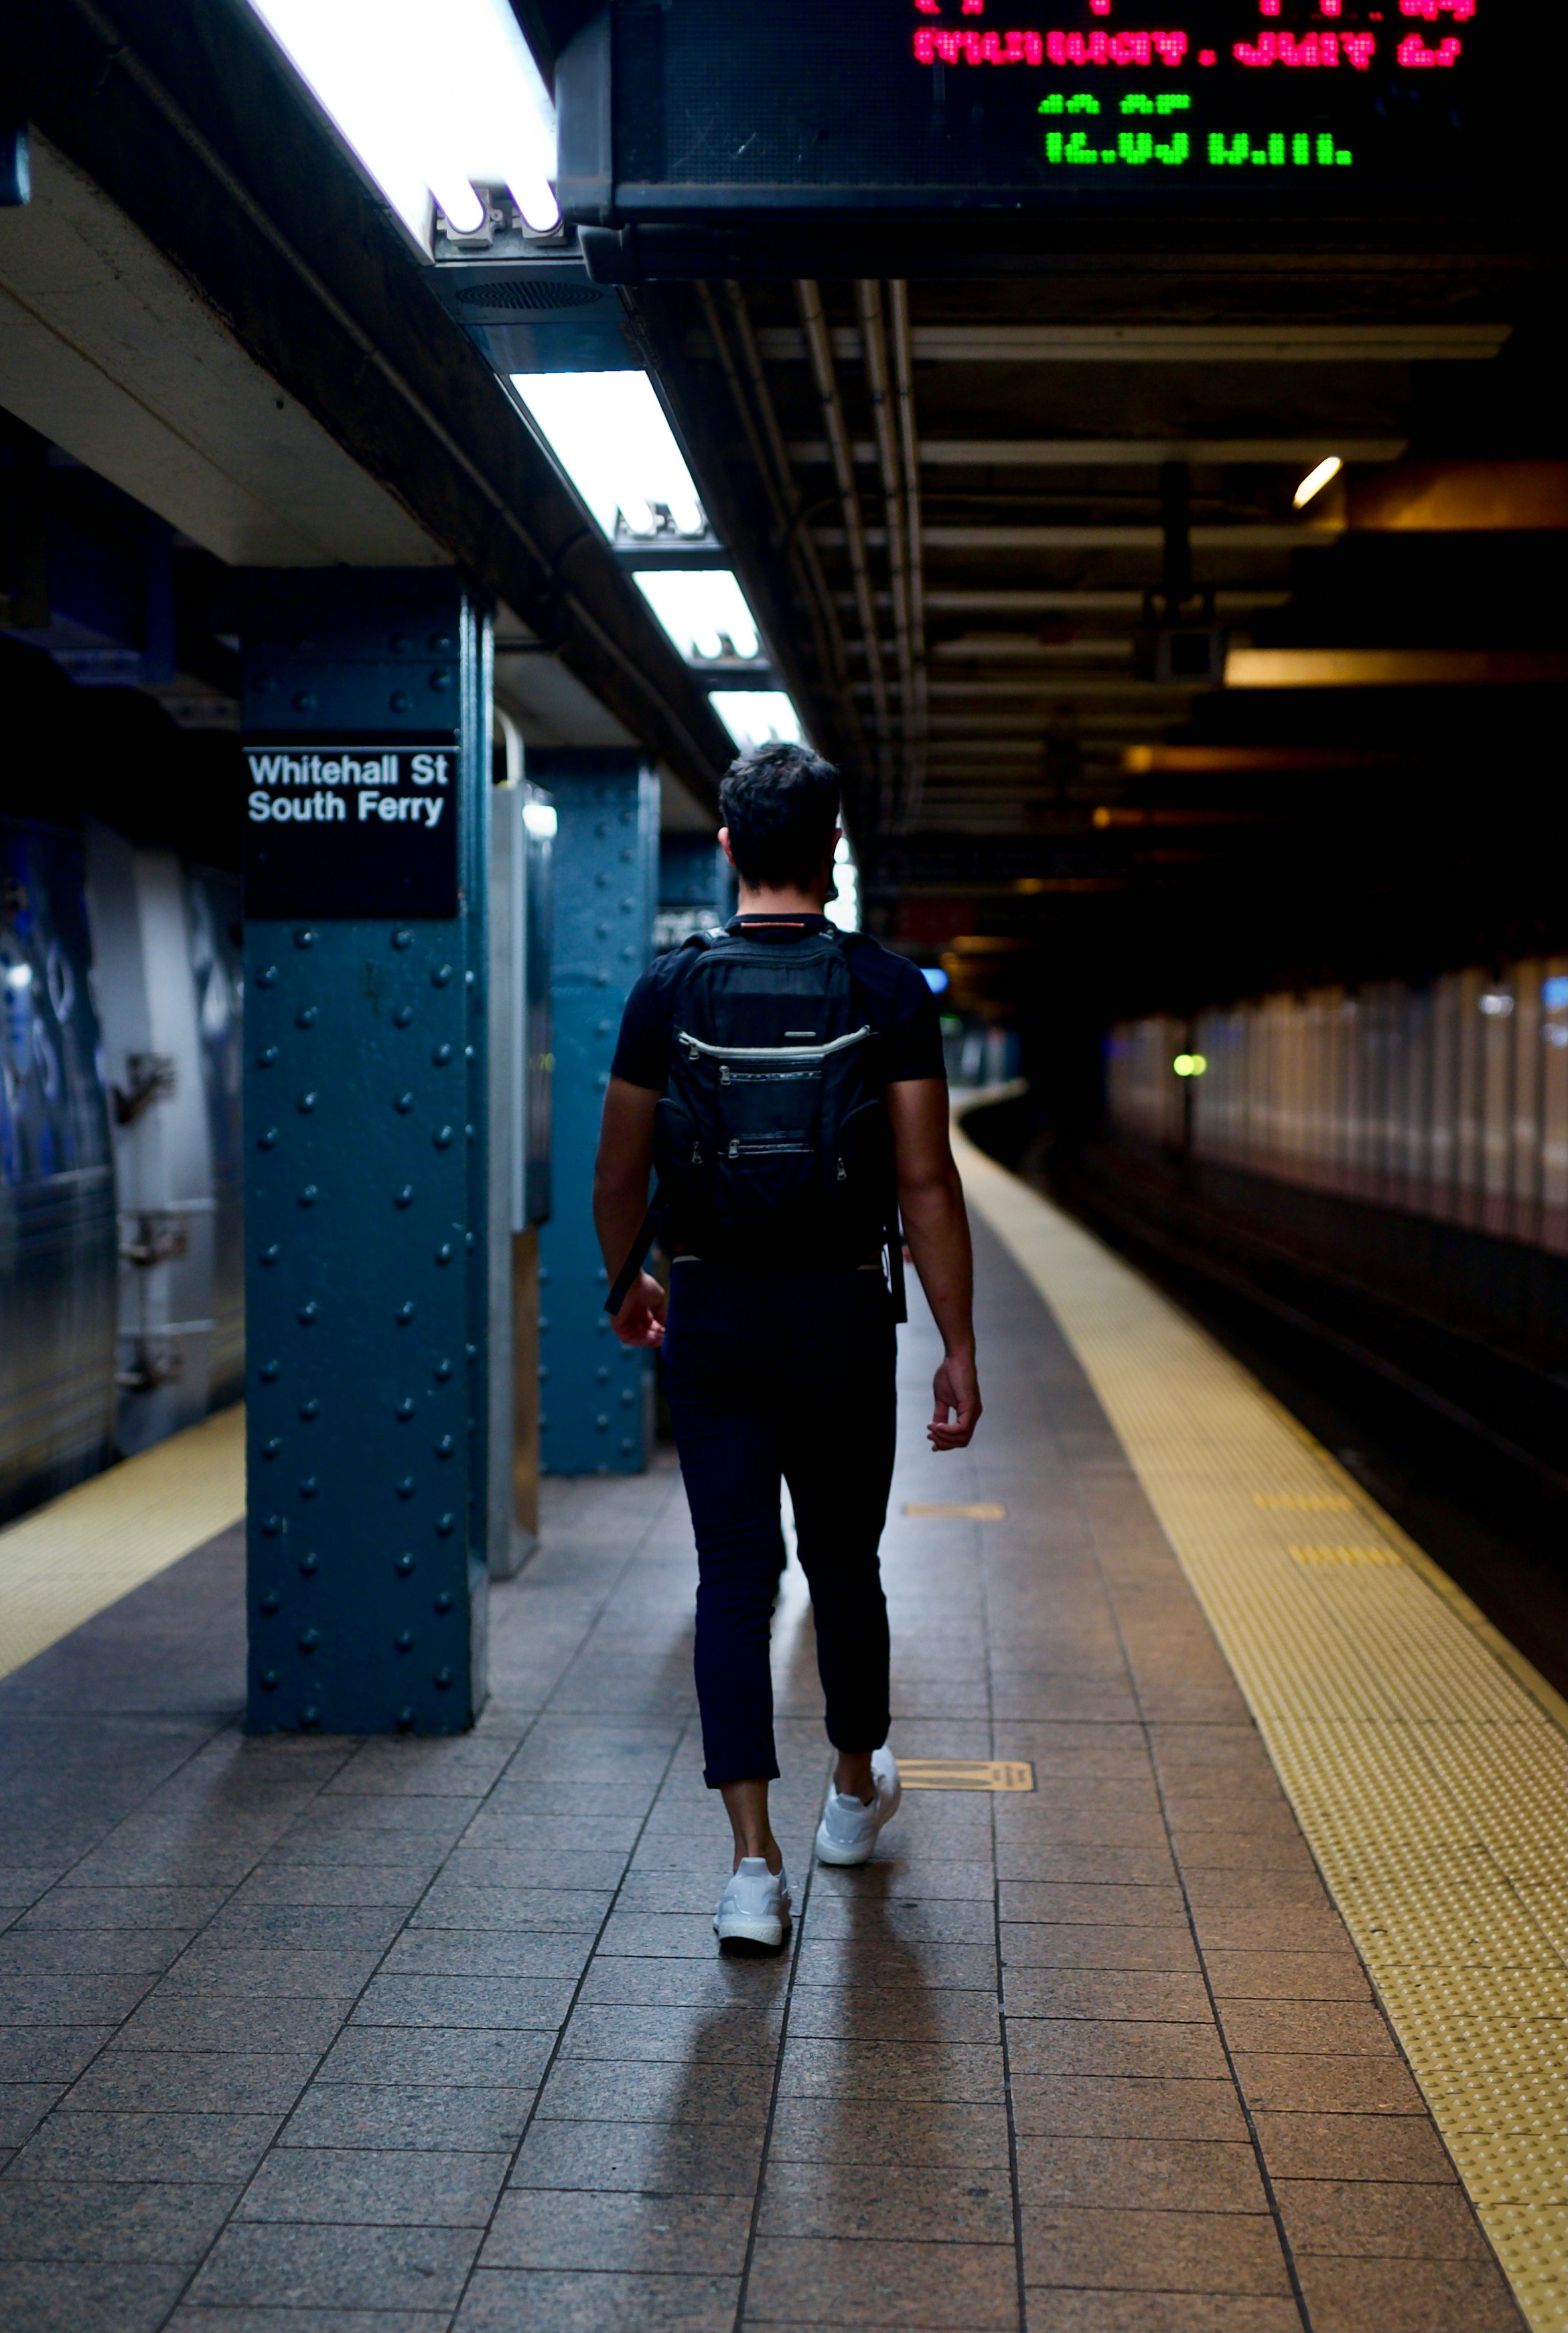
[776, 477]
[915, 729]
[800, 543]
[721, 349]
[819, 344]
[874, 341]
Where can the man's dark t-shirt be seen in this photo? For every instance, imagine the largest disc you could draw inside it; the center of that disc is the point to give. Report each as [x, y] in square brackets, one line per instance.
[893, 994]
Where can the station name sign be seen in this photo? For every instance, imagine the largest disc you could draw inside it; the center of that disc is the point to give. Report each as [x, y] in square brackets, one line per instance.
[1309, 109]
[352, 825]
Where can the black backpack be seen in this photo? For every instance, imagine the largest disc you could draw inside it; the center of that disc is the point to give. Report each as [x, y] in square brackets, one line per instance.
[772, 1143]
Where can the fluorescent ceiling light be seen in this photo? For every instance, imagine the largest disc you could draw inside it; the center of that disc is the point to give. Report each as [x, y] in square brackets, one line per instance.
[609, 434]
[1316, 480]
[844, 908]
[756, 716]
[701, 609]
[436, 104]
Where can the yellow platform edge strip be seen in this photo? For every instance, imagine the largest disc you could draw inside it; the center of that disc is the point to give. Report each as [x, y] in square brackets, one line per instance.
[85, 1550]
[1422, 1754]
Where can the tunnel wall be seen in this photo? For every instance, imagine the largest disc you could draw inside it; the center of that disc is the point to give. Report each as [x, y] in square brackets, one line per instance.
[1447, 1100]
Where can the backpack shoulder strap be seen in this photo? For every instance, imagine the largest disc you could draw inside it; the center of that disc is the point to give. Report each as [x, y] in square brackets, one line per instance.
[893, 1232]
[694, 946]
[693, 949]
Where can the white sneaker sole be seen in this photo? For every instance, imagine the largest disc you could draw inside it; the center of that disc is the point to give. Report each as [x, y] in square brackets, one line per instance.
[828, 1849]
[736, 1930]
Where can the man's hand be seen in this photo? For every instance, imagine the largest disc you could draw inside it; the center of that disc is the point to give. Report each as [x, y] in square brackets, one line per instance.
[936, 1229]
[957, 1391]
[641, 1319]
[620, 1173]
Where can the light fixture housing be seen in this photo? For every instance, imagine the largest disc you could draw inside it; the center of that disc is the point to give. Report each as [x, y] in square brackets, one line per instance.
[437, 109]
[608, 433]
[701, 608]
[1321, 474]
[756, 716]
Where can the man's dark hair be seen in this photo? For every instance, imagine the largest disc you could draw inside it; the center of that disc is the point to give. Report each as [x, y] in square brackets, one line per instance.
[781, 805]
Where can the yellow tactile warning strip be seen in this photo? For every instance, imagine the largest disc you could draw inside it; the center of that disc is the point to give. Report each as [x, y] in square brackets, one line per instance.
[1423, 1756]
[966, 1773]
[979, 1511]
[1298, 1503]
[1319, 1552]
[92, 1545]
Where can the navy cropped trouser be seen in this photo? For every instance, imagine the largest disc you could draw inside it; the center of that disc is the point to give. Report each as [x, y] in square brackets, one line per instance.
[784, 1377]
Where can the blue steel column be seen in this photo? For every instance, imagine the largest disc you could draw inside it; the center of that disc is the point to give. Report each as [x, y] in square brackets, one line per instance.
[365, 1202]
[595, 1397]
[477, 674]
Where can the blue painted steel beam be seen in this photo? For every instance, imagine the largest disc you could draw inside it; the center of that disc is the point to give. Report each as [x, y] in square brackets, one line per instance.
[595, 1397]
[365, 1186]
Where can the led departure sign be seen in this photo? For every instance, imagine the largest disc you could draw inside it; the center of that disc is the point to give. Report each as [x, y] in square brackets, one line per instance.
[1271, 107]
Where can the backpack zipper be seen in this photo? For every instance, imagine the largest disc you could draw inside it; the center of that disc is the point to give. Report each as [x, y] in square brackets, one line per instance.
[759, 1148]
[697, 1050]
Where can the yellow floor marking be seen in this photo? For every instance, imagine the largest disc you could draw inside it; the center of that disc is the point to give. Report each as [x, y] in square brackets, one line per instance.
[1319, 1553]
[1422, 1754]
[979, 1510]
[90, 1546]
[966, 1773]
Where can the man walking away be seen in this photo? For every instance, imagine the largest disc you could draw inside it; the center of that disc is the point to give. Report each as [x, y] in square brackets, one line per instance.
[786, 1082]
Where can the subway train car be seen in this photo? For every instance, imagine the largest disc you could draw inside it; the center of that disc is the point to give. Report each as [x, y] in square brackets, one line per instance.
[1365, 1190]
[165, 965]
[1449, 1100]
[121, 1311]
[58, 1237]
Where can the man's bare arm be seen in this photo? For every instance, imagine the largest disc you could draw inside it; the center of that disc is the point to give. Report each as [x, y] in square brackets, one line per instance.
[936, 1227]
[621, 1177]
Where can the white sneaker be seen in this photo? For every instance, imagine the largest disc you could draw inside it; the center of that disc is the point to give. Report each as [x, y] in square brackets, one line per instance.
[848, 1831]
[755, 1908]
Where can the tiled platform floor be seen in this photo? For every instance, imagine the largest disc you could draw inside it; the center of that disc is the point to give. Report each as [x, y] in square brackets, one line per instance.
[306, 2036]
